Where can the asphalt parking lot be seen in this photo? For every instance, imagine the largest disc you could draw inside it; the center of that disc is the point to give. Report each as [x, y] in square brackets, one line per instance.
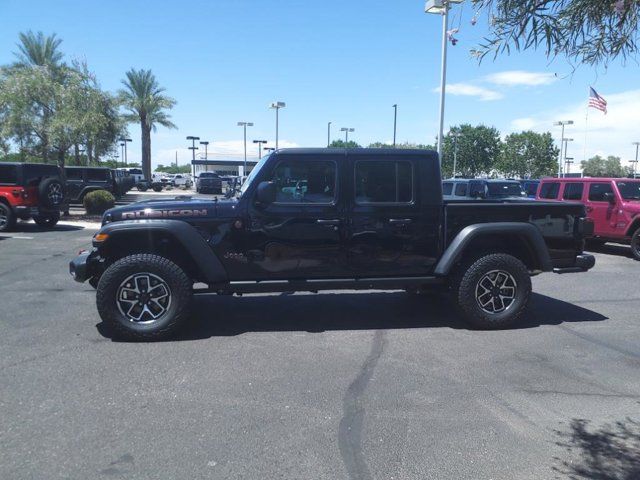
[329, 386]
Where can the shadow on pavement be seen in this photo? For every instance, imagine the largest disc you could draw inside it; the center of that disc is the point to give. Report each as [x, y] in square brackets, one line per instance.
[227, 316]
[609, 453]
[612, 249]
[28, 227]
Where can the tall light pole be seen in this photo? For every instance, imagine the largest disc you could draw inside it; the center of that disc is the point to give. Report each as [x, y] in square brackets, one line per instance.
[346, 131]
[193, 149]
[260, 143]
[277, 106]
[441, 7]
[455, 136]
[395, 122]
[244, 126]
[561, 123]
[124, 141]
[206, 153]
[635, 162]
[567, 161]
[328, 134]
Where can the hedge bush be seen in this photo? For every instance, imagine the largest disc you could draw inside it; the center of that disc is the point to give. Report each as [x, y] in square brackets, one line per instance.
[98, 202]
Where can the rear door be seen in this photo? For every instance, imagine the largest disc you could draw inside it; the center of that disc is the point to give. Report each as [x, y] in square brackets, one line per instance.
[391, 232]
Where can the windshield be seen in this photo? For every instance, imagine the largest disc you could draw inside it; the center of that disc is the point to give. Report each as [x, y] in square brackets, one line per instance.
[629, 190]
[504, 189]
[253, 174]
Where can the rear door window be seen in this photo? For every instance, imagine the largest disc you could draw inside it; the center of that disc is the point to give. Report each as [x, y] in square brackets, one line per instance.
[549, 190]
[461, 189]
[597, 191]
[573, 191]
[447, 188]
[8, 174]
[73, 173]
[98, 175]
[384, 181]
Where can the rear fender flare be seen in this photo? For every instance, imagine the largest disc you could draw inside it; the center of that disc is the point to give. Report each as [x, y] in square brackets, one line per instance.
[526, 231]
[195, 246]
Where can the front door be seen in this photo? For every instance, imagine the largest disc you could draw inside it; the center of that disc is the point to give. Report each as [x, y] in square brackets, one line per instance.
[393, 232]
[301, 234]
[603, 213]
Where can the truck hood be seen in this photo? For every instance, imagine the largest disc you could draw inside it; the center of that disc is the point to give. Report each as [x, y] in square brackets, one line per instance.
[180, 208]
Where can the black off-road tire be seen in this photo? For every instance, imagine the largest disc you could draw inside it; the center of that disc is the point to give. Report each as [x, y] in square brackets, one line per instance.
[8, 218]
[635, 244]
[142, 188]
[466, 290]
[177, 312]
[51, 192]
[47, 221]
[157, 188]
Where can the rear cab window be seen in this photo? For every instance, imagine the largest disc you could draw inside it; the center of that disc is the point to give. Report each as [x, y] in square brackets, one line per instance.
[550, 190]
[8, 174]
[384, 182]
[98, 175]
[461, 190]
[34, 174]
[573, 191]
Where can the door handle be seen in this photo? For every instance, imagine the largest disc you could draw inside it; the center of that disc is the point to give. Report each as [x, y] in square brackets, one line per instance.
[589, 209]
[400, 221]
[328, 222]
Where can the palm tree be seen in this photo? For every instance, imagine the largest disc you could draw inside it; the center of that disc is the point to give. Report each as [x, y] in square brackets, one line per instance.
[36, 50]
[144, 98]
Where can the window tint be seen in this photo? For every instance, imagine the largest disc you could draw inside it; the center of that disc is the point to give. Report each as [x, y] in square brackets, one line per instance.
[531, 188]
[549, 190]
[597, 191]
[629, 190]
[305, 182]
[447, 188]
[34, 174]
[384, 182]
[461, 189]
[8, 174]
[504, 189]
[573, 191]
[97, 175]
[73, 173]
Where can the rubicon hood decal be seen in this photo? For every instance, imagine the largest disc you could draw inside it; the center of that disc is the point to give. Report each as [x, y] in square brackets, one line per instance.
[173, 213]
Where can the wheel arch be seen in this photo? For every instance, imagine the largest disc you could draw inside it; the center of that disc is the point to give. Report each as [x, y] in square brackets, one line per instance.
[173, 239]
[635, 225]
[521, 240]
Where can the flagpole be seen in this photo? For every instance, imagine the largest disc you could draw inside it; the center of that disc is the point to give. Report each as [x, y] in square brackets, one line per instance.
[586, 128]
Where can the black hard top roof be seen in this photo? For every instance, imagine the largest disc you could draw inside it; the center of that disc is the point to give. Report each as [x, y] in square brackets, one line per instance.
[358, 151]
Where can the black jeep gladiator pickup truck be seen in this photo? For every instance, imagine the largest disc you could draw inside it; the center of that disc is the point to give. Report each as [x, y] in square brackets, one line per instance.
[328, 219]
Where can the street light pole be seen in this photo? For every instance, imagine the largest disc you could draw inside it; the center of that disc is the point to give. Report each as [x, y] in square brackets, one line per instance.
[635, 162]
[260, 143]
[346, 131]
[124, 142]
[441, 7]
[566, 162]
[455, 136]
[193, 149]
[561, 123]
[277, 106]
[328, 134]
[244, 126]
[395, 119]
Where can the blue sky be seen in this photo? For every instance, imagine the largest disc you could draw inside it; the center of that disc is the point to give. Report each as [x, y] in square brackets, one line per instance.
[346, 62]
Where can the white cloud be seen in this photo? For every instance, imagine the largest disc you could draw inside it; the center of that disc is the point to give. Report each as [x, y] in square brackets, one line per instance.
[609, 134]
[469, 90]
[512, 78]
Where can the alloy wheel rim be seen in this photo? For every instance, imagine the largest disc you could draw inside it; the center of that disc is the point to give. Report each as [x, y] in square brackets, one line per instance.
[55, 193]
[496, 291]
[143, 298]
[4, 218]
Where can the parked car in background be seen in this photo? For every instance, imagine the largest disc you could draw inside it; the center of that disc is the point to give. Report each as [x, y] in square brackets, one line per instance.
[182, 180]
[612, 203]
[82, 180]
[31, 190]
[530, 187]
[481, 188]
[208, 182]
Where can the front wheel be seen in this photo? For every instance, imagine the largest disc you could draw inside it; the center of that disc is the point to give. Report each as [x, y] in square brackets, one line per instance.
[157, 188]
[142, 188]
[47, 221]
[493, 291]
[635, 244]
[144, 297]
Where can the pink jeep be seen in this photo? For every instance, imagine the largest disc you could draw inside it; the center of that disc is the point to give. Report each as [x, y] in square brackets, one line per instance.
[612, 203]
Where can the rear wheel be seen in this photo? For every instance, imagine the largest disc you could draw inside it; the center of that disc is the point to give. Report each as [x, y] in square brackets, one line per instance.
[144, 297]
[142, 188]
[7, 218]
[493, 291]
[635, 244]
[157, 188]
[47, 221]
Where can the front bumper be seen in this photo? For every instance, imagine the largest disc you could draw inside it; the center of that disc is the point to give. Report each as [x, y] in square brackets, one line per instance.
[79, 267]
[584, 262]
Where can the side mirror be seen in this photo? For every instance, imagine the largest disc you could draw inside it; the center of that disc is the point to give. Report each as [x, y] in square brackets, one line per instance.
[266, 193]
[610, 197]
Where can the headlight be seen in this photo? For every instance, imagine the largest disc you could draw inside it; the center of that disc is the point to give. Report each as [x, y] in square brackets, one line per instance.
[107, 218]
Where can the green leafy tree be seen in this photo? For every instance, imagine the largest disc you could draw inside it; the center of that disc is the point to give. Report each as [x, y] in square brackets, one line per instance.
[144, 98]
[341, 144]
[598, 166]
[586, 31]
[186, 168]
[405, 145]
[477, 152]
[528, 155]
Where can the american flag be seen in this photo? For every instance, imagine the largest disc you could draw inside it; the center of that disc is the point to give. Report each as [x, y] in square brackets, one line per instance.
[596, 101]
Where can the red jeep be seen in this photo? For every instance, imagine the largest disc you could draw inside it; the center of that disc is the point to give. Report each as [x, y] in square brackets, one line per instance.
[612, 203]
[30, 190]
